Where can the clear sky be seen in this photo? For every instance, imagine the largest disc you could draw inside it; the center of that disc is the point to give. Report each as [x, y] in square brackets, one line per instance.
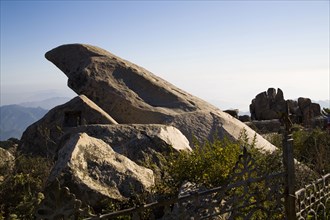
[225, 52]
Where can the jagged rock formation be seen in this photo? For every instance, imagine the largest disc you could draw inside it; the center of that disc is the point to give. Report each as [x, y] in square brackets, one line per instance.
[42, 137]
[131, 94]
[93, 171]
[269, 105]
[308, 110]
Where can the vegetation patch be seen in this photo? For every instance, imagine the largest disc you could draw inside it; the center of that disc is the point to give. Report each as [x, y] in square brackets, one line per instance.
[22, 187]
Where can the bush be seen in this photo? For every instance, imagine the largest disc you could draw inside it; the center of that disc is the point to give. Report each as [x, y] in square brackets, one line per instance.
[212, 164]
[209, 164]
[312, 147]
[20, 192]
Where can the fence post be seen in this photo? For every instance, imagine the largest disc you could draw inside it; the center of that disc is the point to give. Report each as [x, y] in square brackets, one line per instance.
[289, 192]
[288, 162]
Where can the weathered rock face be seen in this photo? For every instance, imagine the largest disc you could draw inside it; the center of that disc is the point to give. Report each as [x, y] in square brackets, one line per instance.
[268, 105]
[308, 110]
[139, 142]
[41, 138]
[131, 94]
[93, 171]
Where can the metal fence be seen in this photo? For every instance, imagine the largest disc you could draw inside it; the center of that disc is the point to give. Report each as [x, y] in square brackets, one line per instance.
[313, 200]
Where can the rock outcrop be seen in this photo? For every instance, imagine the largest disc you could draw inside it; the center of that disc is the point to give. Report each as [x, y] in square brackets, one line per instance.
[308, 110]
[269, 105]
[42, 137]
[131, 94]
[93, 171]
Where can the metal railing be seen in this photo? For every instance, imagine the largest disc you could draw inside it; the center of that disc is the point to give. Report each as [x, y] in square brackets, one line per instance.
[313, 200]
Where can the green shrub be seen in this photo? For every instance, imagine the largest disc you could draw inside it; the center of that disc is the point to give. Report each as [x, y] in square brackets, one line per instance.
[20, 192]
[209, 164]
[312, 147]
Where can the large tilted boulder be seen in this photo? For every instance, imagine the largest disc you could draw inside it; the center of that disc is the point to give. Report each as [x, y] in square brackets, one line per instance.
[94, 171]
[131, 94]
[128, 92]
[42, 137]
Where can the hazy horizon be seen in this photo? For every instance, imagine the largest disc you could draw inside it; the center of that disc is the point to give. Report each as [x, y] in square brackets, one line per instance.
[220, 51]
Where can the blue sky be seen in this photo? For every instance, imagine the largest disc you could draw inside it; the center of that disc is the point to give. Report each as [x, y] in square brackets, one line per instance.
[225, 52]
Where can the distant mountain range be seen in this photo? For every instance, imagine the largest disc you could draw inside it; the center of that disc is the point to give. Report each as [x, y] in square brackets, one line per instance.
[14, 119]
[47, 103]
